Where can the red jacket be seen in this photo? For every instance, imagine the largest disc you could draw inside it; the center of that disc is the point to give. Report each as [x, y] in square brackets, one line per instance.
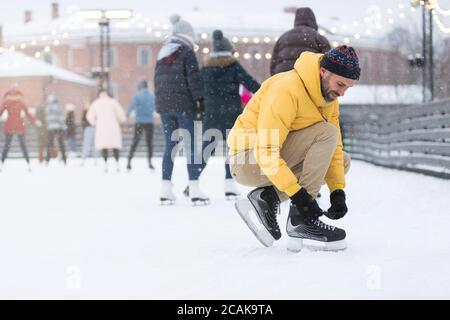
[14, 104]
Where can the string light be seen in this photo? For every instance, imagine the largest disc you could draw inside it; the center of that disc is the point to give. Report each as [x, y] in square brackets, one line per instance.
[438, 8]
[236, 54]
[205, 50]
[375, 21]
[441, 26]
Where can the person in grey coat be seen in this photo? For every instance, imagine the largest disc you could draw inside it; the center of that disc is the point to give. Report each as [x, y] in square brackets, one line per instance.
[56, 126]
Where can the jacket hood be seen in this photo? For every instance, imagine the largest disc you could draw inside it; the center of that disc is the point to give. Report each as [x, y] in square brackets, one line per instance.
[305, 17]
[172, 45]
[167, 50]
[307, 67]
[219, 61]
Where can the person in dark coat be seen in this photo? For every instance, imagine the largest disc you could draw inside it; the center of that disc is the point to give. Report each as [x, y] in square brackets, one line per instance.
[222, 74]
[71, 131]
[179, 100]
[303, 37]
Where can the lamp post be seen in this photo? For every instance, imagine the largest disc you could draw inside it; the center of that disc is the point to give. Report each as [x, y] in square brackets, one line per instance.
[103, 18]
[427, 49]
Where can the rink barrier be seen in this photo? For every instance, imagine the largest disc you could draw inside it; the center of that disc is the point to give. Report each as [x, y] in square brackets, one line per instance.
[406, 137]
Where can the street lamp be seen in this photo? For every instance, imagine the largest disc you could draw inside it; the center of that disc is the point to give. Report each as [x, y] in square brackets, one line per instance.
[427, 48]
[103, 18]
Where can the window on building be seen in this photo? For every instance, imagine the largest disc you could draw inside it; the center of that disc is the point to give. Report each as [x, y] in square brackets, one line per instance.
[114, 90]
[365, 63]
[144, 56]
[50, 58]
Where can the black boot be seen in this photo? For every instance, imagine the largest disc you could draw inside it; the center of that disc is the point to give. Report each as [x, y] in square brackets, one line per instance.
[267, 205]
[304, 223]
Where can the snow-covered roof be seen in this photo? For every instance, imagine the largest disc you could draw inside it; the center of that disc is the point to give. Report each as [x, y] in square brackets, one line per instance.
[17, 64]
[382, 94]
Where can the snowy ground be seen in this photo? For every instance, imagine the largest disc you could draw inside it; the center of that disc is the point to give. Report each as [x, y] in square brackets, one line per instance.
[71, 233]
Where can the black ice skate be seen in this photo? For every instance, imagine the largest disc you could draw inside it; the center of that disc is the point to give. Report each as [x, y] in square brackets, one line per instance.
[259, 212]
[308, 231]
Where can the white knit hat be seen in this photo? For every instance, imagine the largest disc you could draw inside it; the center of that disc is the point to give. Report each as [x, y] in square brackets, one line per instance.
[182, 27]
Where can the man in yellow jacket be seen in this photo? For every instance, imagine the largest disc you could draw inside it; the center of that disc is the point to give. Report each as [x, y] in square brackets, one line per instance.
[287, 142]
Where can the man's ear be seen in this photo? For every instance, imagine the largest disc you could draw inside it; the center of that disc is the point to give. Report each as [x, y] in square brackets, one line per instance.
[323, 71]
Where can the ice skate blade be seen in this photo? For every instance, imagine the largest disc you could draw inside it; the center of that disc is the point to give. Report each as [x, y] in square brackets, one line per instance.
[232, 196]
[167, 202]
[251, 219]
[297, 244]
[199, 202]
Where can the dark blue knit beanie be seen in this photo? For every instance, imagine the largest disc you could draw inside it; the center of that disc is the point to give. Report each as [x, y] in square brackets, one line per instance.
[342, 61]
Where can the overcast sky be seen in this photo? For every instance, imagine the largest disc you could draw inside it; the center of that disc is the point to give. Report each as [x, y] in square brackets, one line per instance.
[329, 13]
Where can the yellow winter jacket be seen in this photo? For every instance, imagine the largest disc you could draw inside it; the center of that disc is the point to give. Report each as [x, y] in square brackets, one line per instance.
[287, 102]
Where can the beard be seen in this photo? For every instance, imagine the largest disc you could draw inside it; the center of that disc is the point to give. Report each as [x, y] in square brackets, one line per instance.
[328, 94]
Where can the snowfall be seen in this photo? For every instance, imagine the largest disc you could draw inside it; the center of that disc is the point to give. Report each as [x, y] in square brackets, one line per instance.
[80, 233]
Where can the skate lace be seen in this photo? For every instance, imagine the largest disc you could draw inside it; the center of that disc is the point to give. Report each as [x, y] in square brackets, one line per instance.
[322, 225]
[273, 218]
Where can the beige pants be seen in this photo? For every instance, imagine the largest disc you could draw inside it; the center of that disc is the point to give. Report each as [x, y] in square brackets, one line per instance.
[307, 152]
